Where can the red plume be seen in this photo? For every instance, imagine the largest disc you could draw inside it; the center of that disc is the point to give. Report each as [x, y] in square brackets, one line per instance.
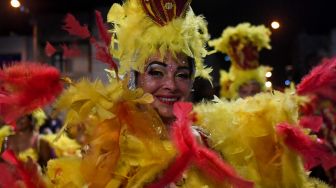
[27, 172]
[26, 86]
[102, 52]
[6, 176]
[103, 33]
[312, 122]
[49, 49]
[70, 52]
[191, 152]
[321, 80]
[104, 56]
[312, 151]
[73, 27]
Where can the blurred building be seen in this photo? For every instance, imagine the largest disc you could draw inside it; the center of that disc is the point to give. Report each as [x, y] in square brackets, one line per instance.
[48, 28]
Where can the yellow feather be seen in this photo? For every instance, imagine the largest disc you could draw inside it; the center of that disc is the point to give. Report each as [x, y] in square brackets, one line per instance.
[5, 131]
[64, 146]
[243, 132]
[65, 172]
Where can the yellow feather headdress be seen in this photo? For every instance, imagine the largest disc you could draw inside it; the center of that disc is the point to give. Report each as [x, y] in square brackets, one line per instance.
[242, 44]
[136, 36]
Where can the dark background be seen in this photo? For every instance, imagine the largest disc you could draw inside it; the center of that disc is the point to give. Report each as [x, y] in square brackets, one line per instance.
[303, 38]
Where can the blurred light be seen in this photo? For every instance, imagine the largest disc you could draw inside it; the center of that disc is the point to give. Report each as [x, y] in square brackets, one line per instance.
[24, 9]
[289, 67]
[15, 3]
[275, 25]
[268, 74]
[268, 84]
[287, 82]
[227, 58]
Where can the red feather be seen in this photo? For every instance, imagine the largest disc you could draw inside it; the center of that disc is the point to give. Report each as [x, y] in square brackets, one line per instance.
[102, 52]
[103, 33]
[27, 172]
[49, 49]
[321, 80]
[310, 108]
[103, 55]
[211, 163]
[7, 176]
[73, 27]
[174, 172]
[10, 157]
[191, 152]
[26, 86]
[70, 52]
[312, 151]
[312, 122]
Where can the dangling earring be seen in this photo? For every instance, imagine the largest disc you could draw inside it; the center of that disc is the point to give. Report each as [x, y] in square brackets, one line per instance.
[132, 80]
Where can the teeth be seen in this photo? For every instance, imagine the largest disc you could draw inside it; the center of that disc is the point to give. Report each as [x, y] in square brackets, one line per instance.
[168, 99]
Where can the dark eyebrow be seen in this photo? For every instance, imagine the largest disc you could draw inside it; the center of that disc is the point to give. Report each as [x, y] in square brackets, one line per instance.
[165, 65]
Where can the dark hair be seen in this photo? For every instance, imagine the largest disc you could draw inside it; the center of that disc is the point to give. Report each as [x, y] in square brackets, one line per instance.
[192, 65]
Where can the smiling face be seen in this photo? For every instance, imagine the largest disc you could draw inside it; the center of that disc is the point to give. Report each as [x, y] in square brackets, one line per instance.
[169, 80]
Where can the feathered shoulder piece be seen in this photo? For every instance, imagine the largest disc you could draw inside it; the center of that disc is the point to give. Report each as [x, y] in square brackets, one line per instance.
[252, 136]
[122, 133]
[138, 33]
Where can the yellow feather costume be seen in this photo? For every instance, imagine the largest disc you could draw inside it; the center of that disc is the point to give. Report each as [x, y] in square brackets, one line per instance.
[65, 173]
[236, 41]
[127, 143]
[243, 132]
[232, 80]
[128, 146]
[125, 135]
